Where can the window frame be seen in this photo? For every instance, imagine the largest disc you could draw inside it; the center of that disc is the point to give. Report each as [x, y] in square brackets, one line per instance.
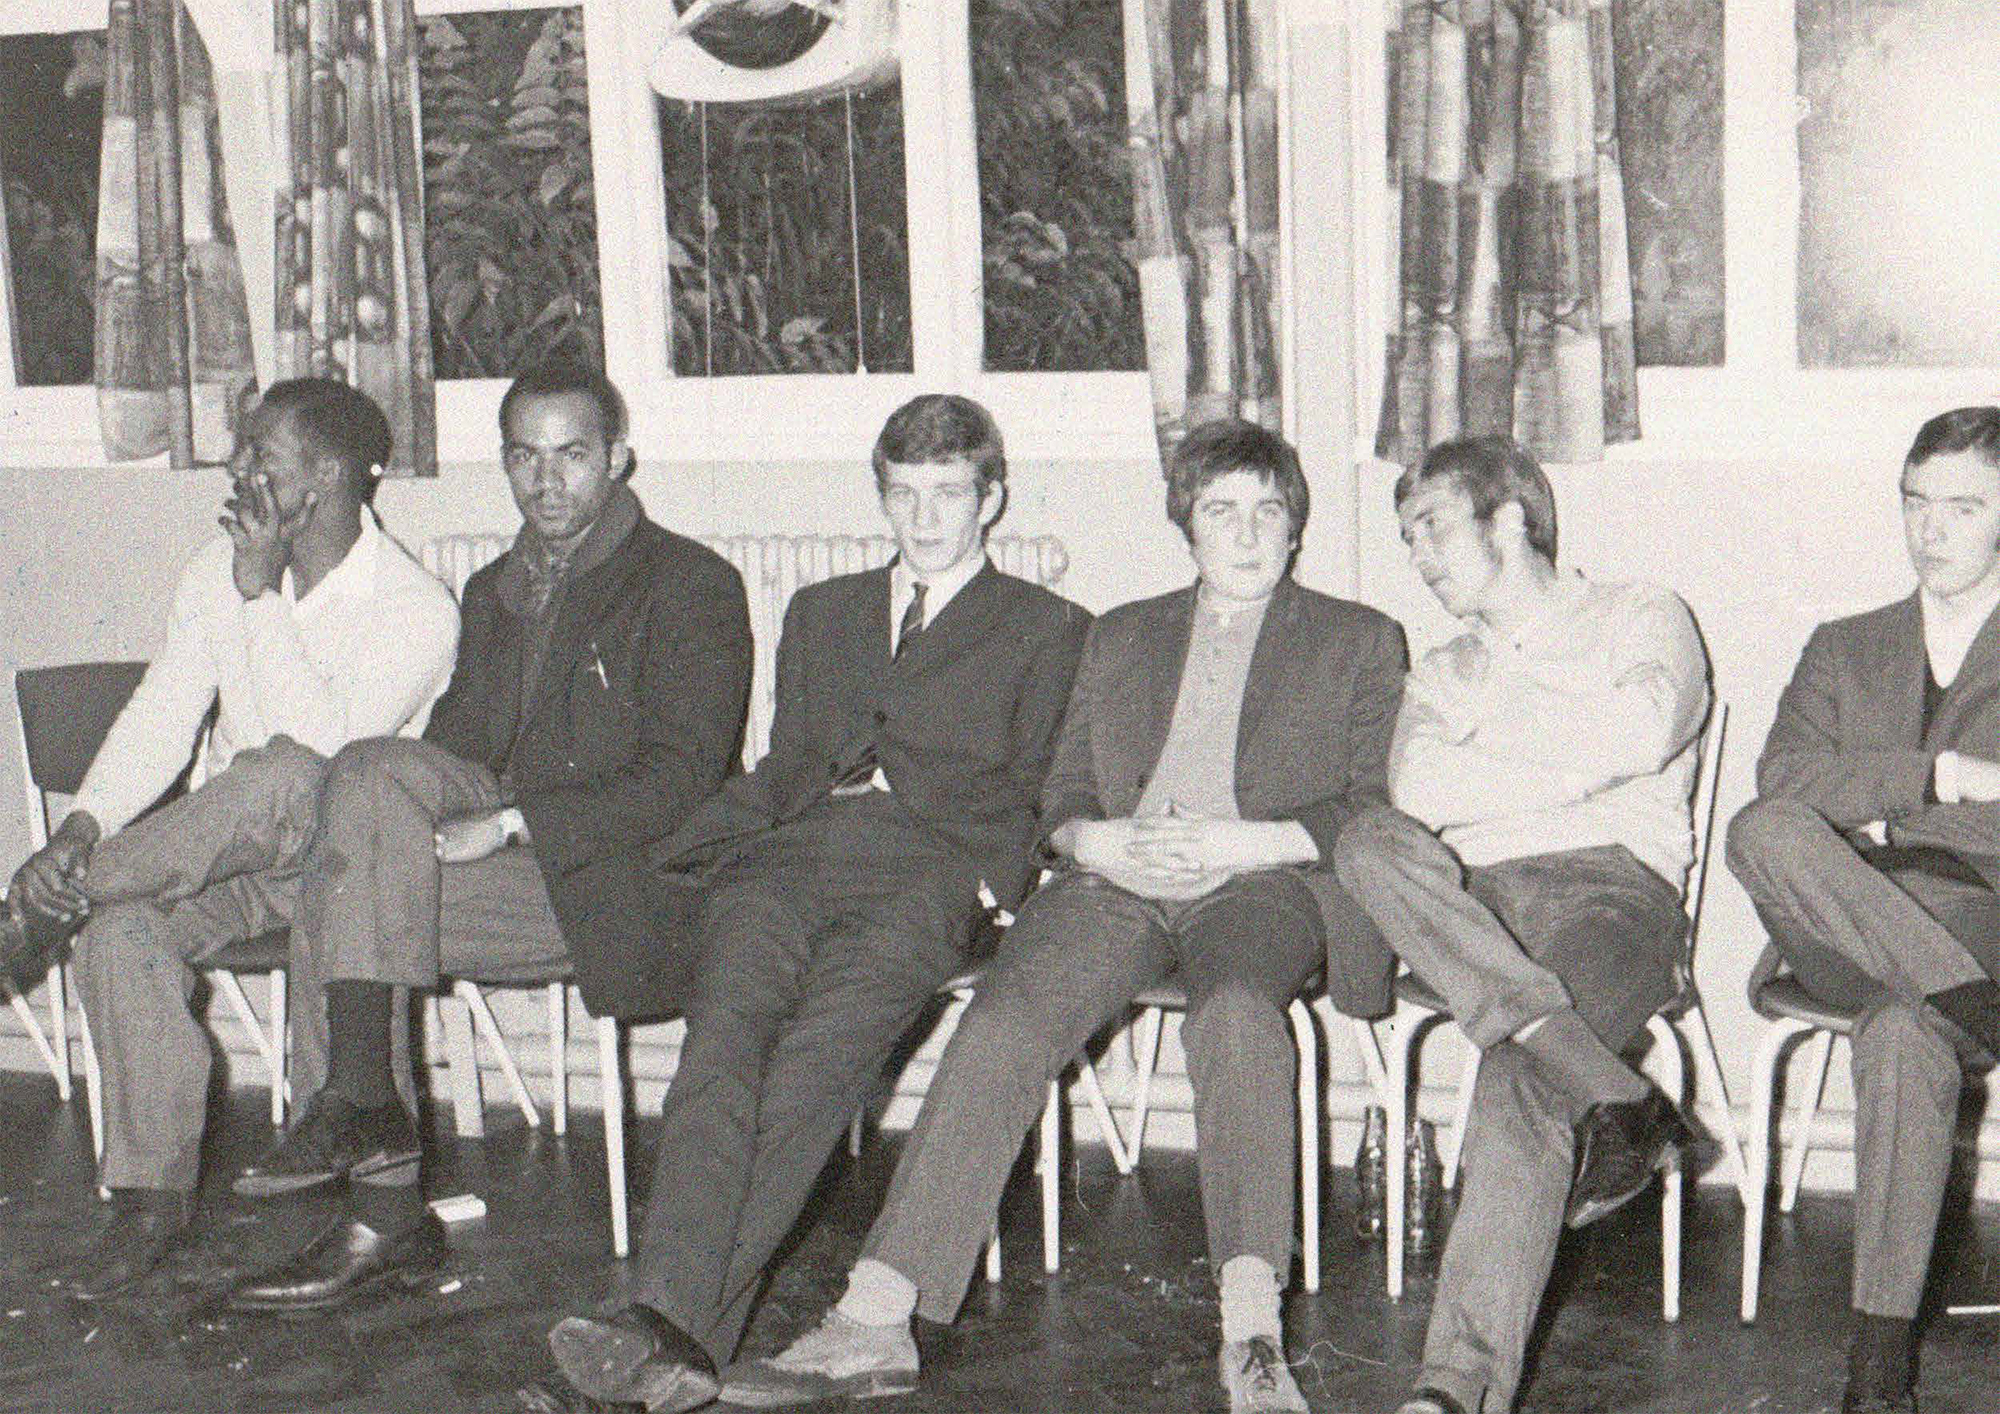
[795, 417]
[1759, 404]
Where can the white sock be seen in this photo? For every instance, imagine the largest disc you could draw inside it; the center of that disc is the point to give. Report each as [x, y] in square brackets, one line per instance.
[1249, 1299]
[878, 1295]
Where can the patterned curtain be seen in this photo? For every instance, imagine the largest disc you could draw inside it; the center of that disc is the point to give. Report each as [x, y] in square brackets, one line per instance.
[173, 327]
[1204, 141]
[1514, 297]
[352, 302]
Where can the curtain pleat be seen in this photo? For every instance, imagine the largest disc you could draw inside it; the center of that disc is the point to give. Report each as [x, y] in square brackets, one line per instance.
[1513, 292]
[1202, 102]
[352, 301]
[173, 354]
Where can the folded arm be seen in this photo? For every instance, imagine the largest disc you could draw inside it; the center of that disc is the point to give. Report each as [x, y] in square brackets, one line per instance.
[1805, 760]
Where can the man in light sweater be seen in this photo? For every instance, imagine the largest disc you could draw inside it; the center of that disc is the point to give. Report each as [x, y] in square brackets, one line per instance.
[306, 629]
[1530, 871]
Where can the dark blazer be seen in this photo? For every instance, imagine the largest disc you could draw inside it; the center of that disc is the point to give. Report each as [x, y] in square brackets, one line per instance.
[637, 717]
[962, 723]
[1849, 738]
[1312, 744]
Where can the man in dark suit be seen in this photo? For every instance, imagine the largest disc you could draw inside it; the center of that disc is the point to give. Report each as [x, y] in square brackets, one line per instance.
[1216, 741]
[917, 708]
[1872, 853]
[598, 698]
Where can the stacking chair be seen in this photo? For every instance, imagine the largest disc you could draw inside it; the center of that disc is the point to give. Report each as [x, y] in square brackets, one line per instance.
[63, 715]
[1152, 1005]
[1792, 1012]
[1421, 1007]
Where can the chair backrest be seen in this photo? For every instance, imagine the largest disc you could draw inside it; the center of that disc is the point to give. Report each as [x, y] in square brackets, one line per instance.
[63, 714]
[1708, 770]
[773, 568]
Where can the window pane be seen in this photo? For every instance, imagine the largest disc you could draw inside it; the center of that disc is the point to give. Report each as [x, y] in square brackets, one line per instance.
[51, 119]
[1668, 58]
[1055, 189]
[1898, 264]
[767, 278]
[510, 241]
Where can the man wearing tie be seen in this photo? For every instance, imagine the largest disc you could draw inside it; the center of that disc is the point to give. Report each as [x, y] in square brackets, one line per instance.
[916, 714]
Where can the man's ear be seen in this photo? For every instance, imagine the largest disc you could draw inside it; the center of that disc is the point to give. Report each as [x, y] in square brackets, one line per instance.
[1510, 519]
[992, 504]
[621, 459]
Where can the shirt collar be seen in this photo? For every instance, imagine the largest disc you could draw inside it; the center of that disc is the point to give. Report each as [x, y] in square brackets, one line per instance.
[939, 590]
[354, 575]
[1963, 616]
[1565, 594]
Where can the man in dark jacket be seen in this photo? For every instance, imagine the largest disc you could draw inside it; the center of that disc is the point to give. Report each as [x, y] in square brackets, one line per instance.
[917, 709]
[599, 696]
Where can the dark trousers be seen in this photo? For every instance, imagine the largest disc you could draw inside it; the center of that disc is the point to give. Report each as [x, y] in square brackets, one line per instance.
[1080, 951]
[1878, 943]
[821, 946]
[1592, 928]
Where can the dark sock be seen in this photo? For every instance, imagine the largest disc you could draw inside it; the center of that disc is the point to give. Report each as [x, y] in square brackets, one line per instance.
[1882, 1353]
[357, 1019]
[387, 1207]
[1571, 1054]
[1975, 1007]
[169, 1201]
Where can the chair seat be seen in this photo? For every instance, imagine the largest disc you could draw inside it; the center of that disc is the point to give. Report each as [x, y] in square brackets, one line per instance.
[1417, 992]
[265, 953]
[1784, 996]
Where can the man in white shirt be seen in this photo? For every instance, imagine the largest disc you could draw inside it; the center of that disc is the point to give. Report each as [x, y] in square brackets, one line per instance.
[306, 629]
[1531, 873]
[1872, 852]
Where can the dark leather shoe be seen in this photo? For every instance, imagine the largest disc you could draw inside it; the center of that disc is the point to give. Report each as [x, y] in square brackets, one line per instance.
[636, 1355]
[553, 1394]
[28, 941]
[1618, 1149]
[333, 1138]
[349, 1258]
[134, 1240]
[1881, 1367]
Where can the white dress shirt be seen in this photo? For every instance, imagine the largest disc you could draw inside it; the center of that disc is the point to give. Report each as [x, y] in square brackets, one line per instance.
[363, 654]
[939, 590]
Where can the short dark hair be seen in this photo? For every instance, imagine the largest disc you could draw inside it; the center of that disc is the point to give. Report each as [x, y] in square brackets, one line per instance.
[1491, 471]
[335, 420]
[1214, 449]
[559, 376]
[935, 428]
[1974, 429]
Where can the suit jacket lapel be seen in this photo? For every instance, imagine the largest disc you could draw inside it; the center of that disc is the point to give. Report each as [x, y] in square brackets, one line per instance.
[1271, 661]
[1165, 662]
[1896, 674]
[960, 622]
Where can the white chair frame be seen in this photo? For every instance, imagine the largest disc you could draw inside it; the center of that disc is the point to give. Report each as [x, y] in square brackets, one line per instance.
[267, 1037]
[1408, 1025]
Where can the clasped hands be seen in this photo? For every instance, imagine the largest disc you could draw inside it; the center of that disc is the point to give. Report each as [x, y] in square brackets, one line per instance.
[1172, 857]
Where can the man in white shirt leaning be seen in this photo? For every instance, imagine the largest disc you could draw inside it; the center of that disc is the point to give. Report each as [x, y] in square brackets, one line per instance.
[307, 628]
[1531, 873]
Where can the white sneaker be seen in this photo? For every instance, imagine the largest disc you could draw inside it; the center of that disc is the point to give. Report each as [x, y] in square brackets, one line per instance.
[837, 1358]
[1257, 1378]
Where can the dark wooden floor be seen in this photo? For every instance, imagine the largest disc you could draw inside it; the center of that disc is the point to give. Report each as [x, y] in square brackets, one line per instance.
[1129, 1324]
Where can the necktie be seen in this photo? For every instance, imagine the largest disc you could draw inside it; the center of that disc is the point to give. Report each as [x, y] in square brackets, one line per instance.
[913, 621]
[861, 771]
